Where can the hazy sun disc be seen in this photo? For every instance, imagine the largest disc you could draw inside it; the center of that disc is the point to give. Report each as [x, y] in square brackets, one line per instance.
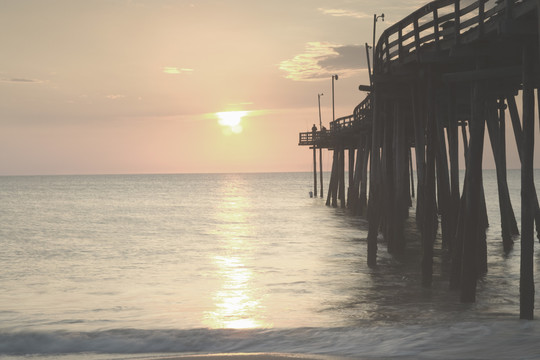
[231, 121]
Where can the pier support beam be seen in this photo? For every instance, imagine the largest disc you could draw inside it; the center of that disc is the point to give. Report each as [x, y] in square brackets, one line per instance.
[364, 181]
[495, 123]
[351, 175]
[321, 170]
[354, 187]
[331, 199]
[419, 139]
[375, 198]
[453, 154]
[473, 190]
[342, 196]
[518, 134]
[314, 171]
[526, 283]
[430, 218]
[443, 181]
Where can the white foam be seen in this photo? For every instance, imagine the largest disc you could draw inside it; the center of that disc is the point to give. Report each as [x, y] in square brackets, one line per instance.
[471, 340]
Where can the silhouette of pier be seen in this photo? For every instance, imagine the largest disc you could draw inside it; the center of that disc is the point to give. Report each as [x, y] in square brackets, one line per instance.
[450, 69]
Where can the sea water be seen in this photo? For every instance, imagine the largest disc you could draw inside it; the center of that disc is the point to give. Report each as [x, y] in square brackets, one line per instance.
[140, 266]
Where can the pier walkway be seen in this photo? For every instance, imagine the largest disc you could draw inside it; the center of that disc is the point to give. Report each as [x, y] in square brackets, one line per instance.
[450, 69]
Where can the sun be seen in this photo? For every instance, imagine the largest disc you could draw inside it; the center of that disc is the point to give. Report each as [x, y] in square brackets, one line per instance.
[231, 121]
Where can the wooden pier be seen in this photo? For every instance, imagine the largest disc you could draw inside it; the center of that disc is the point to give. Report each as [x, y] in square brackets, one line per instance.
[450, 69]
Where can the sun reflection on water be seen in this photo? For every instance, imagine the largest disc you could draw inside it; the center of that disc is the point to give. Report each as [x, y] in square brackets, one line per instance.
[237, 303]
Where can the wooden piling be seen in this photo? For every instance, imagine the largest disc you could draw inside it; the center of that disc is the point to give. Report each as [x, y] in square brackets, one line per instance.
[374, 202]
[321, 170]
[362, 200]
[429, 225]
[443, 181]
[331, 199]
[400, 205]
[411, 172]
[496, 136]
[388, 176]
[419, 140]
[472, 195]
[518, 134]
[342, 197]
[351, 175]
[526, 283]
[354, 185]
[453, 154]
[314, 171]
[502, 158]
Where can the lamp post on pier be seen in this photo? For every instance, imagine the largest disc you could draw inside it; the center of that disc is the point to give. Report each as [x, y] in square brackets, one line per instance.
[375, 17]
[320, 147]
[334, 77]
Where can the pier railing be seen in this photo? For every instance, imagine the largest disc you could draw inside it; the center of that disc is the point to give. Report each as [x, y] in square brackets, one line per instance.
[361, 115]
[360, 119]
[440, 24]
[314, 137]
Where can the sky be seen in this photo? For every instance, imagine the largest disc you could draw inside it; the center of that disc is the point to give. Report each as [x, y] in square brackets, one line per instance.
[159, 86]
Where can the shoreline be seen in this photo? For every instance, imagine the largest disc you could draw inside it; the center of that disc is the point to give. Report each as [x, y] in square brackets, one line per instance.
[255, 356]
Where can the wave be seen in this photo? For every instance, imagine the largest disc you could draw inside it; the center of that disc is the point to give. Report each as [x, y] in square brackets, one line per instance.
[472, 340]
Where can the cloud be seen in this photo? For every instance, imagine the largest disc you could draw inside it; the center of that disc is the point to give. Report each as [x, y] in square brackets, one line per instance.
[322, 59]
[115, 96]
[174, 70]
[21, 81]
[345, 13]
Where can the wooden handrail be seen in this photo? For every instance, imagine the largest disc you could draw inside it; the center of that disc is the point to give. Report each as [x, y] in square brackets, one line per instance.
[361, 115]
[431, 24]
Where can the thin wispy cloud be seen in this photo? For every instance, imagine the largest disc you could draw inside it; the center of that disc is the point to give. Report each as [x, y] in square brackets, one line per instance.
[175, 70]
[345, 13]
[322, 59]
[21, 81]
[115, 96]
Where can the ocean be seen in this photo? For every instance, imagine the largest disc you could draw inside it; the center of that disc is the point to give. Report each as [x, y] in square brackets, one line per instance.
[149, 266]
